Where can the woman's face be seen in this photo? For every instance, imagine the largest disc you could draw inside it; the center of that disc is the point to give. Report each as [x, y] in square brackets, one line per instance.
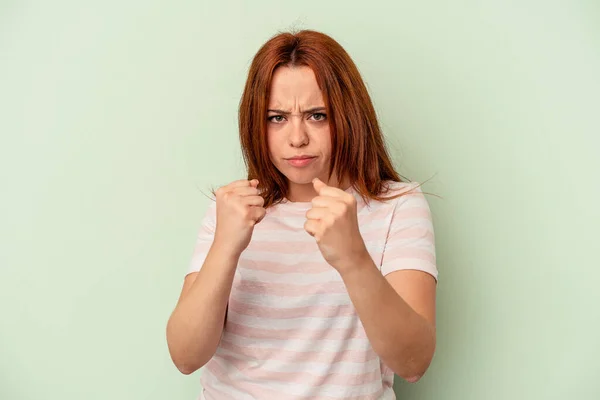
[298, 132]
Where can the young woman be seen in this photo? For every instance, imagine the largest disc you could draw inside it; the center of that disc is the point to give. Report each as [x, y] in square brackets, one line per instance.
[314, 278]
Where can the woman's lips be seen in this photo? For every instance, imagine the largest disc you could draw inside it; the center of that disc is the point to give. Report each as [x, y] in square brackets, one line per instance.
[302, 161]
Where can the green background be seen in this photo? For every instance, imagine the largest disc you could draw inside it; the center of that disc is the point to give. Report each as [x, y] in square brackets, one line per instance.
[116, 115]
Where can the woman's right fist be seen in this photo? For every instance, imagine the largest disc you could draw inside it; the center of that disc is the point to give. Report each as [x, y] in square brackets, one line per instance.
[239, 208]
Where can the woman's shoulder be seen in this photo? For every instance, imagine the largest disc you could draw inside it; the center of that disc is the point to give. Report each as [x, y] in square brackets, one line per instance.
[399, 196]
[400, 201]
[393, 190]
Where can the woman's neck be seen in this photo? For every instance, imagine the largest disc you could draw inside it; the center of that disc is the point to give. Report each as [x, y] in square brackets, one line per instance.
[305, 192]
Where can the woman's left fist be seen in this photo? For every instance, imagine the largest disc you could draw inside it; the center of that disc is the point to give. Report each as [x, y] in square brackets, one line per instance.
[333, 222]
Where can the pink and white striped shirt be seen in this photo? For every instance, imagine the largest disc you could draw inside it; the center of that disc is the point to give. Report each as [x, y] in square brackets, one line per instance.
[292, 331]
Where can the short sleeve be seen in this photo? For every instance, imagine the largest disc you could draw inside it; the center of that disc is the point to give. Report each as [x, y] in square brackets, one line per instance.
[410, 242]
[204, 239]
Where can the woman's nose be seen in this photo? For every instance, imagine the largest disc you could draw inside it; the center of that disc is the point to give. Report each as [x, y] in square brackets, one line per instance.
[298, 137]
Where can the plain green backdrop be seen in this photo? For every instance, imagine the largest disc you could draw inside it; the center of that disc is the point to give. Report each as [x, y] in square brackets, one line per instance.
[116, 115]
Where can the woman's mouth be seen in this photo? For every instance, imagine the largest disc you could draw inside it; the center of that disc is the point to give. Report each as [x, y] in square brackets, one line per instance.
[300, 161]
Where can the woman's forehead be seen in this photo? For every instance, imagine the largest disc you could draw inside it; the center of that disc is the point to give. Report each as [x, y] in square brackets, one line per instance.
[295, 89]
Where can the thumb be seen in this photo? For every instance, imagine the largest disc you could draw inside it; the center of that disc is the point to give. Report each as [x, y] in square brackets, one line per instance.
[318, 184]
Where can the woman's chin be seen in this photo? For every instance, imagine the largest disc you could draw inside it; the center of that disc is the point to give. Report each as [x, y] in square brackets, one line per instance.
[301, 179]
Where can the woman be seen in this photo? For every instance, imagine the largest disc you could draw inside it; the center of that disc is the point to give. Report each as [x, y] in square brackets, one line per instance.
[314, 278]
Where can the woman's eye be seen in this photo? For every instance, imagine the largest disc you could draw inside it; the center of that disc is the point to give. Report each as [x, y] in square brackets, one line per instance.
[319, 117]
[276, 118]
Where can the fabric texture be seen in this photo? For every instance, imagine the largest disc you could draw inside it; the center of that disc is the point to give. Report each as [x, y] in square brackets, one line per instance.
[292, 331]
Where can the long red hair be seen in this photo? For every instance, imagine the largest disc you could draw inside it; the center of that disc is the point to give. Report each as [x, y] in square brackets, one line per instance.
[358, 149]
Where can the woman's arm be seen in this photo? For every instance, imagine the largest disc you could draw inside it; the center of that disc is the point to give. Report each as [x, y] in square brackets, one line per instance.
[398, 314]
[196, 325]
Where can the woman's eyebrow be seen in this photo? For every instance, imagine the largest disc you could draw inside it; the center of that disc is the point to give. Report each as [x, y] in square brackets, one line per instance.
[309, 111]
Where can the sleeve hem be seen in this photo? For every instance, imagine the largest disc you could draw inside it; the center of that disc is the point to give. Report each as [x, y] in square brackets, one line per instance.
[385, 271]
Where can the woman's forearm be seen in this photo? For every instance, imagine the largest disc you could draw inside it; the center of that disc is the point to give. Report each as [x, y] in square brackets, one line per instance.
[196, 325]
[403, 339]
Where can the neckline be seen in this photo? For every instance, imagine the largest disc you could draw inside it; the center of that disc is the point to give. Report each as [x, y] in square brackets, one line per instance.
[305, 205]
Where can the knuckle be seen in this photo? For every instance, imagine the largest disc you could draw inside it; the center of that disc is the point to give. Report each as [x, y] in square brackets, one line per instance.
[242, 210]
[308, 226]
[348, 199]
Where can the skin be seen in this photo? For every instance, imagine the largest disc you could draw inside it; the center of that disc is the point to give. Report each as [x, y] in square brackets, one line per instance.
[397, 311]
[297, 125]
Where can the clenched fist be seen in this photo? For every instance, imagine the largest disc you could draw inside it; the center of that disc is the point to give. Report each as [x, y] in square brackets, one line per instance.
[333, 222]
[239, 208]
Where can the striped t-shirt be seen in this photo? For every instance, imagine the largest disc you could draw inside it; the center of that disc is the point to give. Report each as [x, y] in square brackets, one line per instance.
[291, 330]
